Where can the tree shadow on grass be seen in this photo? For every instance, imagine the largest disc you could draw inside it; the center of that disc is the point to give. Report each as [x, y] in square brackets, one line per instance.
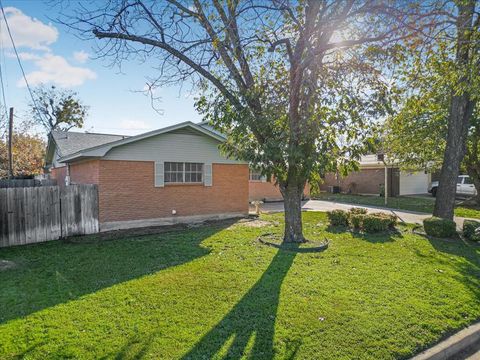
[59, 271]
[248, 329]
[469, 251]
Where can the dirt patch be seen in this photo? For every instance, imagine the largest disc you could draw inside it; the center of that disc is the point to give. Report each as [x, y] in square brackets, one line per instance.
[276, 240]
[255, 223]
[6, 264]
[145, 231]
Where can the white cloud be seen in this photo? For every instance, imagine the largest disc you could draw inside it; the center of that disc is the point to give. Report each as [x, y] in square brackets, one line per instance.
[24, 56]
[55, 69]
[80, 56]
[26, 31]
[134, 125]
[35, 35]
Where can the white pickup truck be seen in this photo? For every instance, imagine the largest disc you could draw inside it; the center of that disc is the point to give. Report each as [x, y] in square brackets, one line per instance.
[465, 186]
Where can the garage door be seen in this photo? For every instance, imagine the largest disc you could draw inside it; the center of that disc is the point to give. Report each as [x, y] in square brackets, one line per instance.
[413, 183]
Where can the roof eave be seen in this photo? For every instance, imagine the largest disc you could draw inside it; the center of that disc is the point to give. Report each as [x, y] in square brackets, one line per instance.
[77, 157]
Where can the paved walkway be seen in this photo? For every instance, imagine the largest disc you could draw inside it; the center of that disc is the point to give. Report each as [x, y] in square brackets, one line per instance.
[319, 205]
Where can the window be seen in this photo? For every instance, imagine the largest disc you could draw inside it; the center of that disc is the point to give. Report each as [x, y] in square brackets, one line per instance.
[255, 175]
[459, 179]
[193, 172]
[179, 172]
[468, 180]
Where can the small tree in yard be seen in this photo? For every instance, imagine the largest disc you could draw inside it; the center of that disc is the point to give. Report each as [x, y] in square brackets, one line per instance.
[56, 109]
[295, 86]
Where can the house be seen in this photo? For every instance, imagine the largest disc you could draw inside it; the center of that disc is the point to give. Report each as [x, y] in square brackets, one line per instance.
[370, 179]
[170, 175]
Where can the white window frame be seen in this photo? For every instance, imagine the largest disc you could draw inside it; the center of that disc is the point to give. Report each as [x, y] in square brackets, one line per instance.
[183, 171]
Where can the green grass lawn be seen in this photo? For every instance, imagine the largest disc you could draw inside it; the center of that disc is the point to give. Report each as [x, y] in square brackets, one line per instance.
[420, 204]
[215, 292]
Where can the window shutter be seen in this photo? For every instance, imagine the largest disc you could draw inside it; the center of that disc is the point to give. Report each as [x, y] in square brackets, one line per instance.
[263, 178]
[159, 174]
[207, 175]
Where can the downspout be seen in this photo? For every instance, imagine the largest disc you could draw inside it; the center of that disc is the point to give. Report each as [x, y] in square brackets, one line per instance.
[67, 176]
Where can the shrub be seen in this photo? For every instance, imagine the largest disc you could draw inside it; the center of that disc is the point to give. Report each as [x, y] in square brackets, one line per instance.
[389, 218]
[338, 217]
[358, 210]
[356, 220]
[438, 227]
[355, 217]
[469, 230]
[376, 223]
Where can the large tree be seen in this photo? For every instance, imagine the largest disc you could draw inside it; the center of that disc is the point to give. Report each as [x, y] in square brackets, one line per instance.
[293, 84]
[464, 96]
[439, 114]
[57, 109]
[417, 134]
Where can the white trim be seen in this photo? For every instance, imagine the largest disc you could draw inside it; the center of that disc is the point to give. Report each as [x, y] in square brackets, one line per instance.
[207, 174]
[159, 175]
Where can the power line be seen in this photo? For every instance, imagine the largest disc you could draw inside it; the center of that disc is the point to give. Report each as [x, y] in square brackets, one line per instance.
[20, 62]
[3, 88]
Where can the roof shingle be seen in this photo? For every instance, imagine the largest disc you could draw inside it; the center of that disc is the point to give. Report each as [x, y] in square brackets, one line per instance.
[69, 142]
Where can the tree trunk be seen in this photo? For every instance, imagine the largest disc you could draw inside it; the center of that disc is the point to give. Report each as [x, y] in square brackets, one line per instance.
[460, 114]
[461, 110]
[292, 200]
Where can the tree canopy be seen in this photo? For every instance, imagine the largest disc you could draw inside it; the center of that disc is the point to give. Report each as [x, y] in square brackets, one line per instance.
[28, 153]
[57, 109]
[296, 86]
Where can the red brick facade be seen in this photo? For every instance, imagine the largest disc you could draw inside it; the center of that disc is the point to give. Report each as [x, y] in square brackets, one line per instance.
[267, 191]
[259, 190]
[127, 191]
[85, 172]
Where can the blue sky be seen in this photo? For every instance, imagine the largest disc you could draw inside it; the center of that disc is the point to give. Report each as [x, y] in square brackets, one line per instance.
[51, 54]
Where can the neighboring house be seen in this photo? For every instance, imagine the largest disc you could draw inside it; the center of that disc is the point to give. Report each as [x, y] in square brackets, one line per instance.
[370, 179]
[174, 174]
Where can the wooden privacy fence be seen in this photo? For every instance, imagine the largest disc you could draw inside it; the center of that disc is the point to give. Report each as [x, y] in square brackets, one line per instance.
[27, 183]
[36, 214]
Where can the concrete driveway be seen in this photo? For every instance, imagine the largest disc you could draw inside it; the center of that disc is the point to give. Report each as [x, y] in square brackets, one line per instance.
[319, 205]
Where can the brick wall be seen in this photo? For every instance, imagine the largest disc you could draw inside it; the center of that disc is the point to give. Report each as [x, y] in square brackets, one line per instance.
[85, 172]
[127, 192]
[258, 190]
